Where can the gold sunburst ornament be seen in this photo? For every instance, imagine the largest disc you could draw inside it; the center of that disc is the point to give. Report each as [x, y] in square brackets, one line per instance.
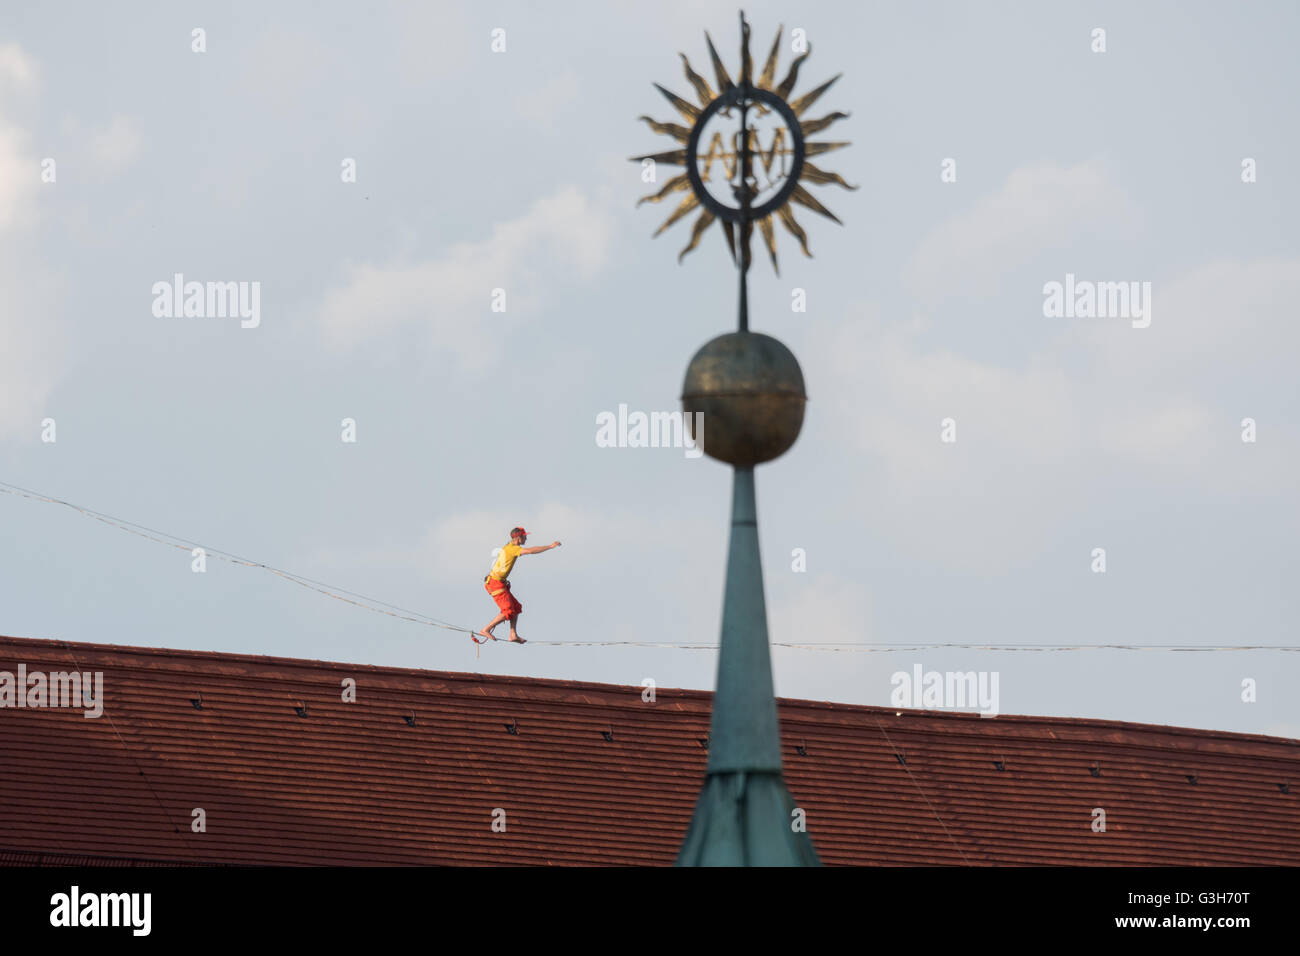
[739, 177]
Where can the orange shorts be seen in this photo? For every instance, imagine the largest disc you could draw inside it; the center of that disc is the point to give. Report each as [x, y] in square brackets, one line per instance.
[500, 591]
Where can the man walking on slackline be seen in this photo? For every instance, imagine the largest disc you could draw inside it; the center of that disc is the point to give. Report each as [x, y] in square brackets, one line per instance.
[498, 585]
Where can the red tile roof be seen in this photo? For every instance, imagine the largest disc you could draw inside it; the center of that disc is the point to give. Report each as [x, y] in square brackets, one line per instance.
[355, 783]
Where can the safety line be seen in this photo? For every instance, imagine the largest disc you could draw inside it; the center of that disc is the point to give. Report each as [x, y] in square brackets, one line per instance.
[108, 712]
[902, 759]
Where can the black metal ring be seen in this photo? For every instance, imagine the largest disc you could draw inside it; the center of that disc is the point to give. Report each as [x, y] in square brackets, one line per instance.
[731, 97]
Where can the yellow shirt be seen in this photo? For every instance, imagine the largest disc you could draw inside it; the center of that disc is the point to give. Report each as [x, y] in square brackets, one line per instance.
[505, 561]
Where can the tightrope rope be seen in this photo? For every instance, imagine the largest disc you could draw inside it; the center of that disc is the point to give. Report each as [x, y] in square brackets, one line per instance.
[415, 617]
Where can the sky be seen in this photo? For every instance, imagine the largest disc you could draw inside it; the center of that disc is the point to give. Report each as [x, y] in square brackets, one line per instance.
[1166, 158]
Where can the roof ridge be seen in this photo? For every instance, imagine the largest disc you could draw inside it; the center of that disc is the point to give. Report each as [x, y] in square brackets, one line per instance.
[165, 654]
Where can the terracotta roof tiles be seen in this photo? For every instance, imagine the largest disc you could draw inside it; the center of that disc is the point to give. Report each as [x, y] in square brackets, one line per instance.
[412, 772]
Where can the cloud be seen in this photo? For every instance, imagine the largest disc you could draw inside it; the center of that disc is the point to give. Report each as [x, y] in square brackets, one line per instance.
[536, 105]
[1095, 398]
[1036, 444]
[32, 351]
[1220, 348]
[468, 538]
[32, 345]
[18, 70]
[1216, 320]
[827, 607]
[19, 170]
[1038, 207]
[561, 235]
[996, 489]
[19, 176]
[592, 582]
[116, 146]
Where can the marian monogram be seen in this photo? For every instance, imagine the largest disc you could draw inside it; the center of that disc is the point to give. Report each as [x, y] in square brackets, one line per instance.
[773, 162]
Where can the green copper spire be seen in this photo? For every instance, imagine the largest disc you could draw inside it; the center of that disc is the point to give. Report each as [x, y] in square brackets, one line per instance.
[747, 390]
[745, 816]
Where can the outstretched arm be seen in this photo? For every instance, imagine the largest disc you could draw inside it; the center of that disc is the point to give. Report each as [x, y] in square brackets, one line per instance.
[545, 547]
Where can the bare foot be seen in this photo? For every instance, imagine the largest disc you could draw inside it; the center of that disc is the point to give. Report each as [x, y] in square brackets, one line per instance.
[516, 639]
[488, 634]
